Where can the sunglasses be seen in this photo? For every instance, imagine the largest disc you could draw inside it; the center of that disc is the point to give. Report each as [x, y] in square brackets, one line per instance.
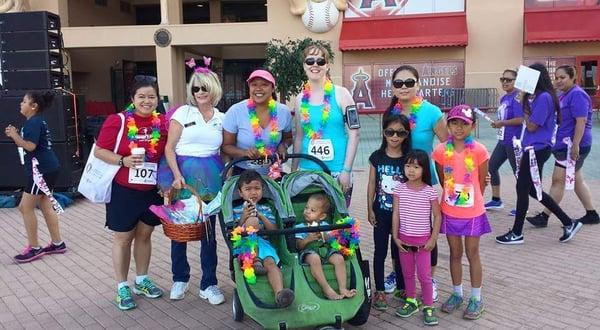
[311, 61]
[410, 82]
[506, 80]
[388, 132]
[196, 89]
[140, 78]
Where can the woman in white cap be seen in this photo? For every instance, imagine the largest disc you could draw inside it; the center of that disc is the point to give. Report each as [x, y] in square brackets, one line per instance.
[257, 127]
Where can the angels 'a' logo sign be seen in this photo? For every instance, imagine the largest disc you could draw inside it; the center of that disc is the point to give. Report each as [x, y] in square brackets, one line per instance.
[360, 89]
[371, 8]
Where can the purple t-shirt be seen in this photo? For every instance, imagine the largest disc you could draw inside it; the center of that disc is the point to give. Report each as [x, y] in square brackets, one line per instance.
[237, 121]
[575, 103]
[510, 108]
[542, 114]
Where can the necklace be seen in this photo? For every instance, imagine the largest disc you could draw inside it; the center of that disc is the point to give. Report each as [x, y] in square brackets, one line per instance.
[264, 150]
[462, 197]
[132, 130]
[415, 106]
[305, 115]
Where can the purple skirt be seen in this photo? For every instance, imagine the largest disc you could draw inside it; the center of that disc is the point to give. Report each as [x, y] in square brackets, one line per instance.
[202, 173]
[476, 226]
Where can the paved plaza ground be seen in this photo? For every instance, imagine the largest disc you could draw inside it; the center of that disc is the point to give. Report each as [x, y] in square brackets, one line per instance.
[540, 284]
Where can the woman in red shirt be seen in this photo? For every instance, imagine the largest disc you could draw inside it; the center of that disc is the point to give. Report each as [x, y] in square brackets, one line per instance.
[134, 186]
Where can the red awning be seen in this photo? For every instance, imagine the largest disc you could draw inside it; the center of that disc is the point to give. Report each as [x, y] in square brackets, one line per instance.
[414, 31]
[562, 25]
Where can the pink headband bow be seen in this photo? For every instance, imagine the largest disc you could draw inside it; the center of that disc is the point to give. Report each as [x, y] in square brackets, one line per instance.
[191, 63]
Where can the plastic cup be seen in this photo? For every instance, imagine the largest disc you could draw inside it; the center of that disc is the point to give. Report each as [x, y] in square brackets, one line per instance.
[138, 152]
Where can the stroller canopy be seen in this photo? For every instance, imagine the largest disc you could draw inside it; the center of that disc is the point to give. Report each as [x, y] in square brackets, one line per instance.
[296, 182]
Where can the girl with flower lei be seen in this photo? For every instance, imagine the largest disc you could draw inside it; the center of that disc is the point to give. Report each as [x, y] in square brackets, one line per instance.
[258, 127]
[133, 192]
[462, 165]
[320, 126]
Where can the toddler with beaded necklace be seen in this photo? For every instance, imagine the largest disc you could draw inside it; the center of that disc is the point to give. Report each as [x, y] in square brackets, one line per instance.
[462, 162]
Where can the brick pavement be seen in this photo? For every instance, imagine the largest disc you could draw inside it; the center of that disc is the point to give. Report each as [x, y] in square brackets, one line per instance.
[541, 284]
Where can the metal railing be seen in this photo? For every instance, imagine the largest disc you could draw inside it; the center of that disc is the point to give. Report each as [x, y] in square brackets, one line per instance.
[482, 98]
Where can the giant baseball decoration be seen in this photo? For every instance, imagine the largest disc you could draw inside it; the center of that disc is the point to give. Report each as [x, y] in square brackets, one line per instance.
[318, 16]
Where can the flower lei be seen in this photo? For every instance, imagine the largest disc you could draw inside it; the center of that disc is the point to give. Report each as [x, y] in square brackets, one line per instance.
[132, 129]
[415, 106]
[305, 116]
[246, 250]
[346, 240]
[462, 197]
[264, 150]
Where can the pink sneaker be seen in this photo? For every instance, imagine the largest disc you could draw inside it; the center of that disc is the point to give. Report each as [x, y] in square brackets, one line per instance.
[29, 254]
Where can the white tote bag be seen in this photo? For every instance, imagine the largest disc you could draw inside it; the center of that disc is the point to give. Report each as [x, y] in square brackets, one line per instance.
[97, 177]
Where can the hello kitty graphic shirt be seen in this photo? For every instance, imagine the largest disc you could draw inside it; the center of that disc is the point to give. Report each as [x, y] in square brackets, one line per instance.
[389, 172]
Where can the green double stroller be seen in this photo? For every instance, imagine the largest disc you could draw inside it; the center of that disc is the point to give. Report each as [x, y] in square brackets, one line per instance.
[310, 307]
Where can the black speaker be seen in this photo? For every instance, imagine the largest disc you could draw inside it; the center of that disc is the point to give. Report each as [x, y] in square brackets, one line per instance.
[60, 116]
[12, 173]
[32, 40]
[28, 80]
[31, 60]
[29, 21]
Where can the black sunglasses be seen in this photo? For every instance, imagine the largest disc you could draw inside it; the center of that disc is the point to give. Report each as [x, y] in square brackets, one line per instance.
[196, 89]
[506, 80]
[311, 61]
[141, 78]
[412, 248]
[388, 132]
[410, 82]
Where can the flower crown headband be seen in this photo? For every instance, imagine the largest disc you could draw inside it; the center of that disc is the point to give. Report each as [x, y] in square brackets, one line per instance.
[191, 63]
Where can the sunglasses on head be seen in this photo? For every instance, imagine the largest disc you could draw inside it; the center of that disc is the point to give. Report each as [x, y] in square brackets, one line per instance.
[311, 61]
[410, 82]
[196, 89]
[388, 132]
[412, 248]
[140, 78]
[506, 80]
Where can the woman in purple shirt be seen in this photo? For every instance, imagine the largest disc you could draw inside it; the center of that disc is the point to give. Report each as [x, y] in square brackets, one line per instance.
[509, 124]
[576, 111]
[540, 113]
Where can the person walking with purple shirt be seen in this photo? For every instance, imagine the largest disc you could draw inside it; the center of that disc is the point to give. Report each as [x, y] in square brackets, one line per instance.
[576, 111]
[509, 124]
[541, 111]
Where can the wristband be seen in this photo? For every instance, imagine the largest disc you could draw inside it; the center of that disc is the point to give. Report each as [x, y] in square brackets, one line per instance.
[347, 170]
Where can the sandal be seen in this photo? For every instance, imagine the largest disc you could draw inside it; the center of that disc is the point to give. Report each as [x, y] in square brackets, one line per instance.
[259, 269]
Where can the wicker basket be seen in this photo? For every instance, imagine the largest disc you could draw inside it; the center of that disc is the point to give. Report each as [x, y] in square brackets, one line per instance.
[185, 232]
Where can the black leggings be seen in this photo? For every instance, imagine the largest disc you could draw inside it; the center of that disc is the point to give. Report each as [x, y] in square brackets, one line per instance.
[500, 154]
[525, 188]
[381, 237]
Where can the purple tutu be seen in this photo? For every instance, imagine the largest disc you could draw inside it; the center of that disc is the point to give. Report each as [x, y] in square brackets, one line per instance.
[201, 173]
[476, 226]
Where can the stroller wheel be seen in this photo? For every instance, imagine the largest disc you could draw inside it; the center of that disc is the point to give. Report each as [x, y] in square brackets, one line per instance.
[238, 311]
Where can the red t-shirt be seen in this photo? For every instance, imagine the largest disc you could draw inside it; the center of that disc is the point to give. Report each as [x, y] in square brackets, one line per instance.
[108, 137]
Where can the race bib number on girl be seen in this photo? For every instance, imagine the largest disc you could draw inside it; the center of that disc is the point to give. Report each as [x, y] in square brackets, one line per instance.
[469, 202]
[321, 149]
[145, 174]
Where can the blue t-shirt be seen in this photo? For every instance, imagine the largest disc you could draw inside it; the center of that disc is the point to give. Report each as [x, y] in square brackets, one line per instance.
[303, 225]
[510, 108]
[260, 208]
[542, 114]
[335, 130]
[237, 121]
[36, 130]
[575, 103]
[424, 132]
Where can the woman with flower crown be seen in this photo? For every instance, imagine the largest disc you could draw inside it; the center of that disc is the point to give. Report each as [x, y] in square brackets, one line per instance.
[134, 186]
[258, 127]
[320, 127]
[426, 123]
[192, 158]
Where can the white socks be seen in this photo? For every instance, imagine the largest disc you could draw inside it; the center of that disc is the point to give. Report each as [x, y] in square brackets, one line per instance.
[122, 284]
[476, 293]
[140, 278]
[458, 289]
